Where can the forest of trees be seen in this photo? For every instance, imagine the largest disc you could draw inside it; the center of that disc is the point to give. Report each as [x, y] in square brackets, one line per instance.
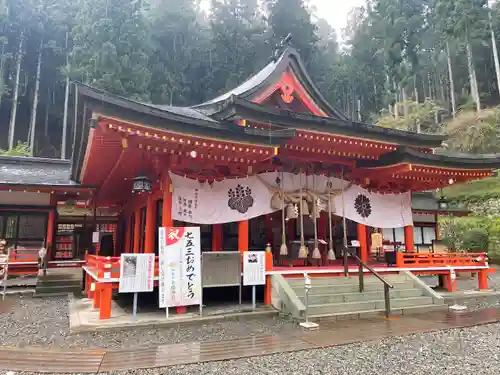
[420, 65]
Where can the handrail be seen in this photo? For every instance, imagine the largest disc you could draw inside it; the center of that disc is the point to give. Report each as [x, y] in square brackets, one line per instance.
[361, 276]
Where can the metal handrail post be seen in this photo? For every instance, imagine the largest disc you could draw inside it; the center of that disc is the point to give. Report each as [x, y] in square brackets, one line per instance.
[346, 265]
[387, 301]
[361, 278]
[307, 288]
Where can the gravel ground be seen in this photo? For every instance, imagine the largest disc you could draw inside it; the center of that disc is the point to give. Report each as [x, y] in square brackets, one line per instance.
[452, 352]
[45, 322]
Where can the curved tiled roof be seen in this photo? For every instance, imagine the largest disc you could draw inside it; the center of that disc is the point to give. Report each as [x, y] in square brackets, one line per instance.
[22, 170]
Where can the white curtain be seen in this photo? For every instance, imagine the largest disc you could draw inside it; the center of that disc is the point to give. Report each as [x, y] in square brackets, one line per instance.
[234, 200]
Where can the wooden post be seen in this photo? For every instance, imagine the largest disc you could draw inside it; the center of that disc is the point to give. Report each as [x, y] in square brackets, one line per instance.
[243, 236]
[137, 232]
[149, 243]
[482, 280]
[106, 293]
[363, 243]
[409, 244]
[450, 283]
[268, 287]
[51, 228]
[217, 236]
[167, 202]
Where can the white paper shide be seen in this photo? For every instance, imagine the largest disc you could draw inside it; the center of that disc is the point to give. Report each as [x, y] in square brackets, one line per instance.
[180, 267]
[136, 273]
[254, 268]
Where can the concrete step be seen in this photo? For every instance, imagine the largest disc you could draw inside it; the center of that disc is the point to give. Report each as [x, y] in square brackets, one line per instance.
[351, 280]
[346, 307]
[357, 296]
[364, 314]
[57, 290]
[352, 288]
[55, 282]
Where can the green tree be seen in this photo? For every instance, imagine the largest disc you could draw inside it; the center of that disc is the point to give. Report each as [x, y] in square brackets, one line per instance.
[112, 46]
[239, 42]
[292, 17]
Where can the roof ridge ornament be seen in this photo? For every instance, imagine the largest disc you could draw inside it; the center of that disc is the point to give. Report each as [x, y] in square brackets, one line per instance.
[281, 46]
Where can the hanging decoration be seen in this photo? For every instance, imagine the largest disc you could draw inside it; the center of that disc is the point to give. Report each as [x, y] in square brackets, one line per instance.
[240, 199]
[331, 252]
[315, 214]
[303, 204]
[283, 248]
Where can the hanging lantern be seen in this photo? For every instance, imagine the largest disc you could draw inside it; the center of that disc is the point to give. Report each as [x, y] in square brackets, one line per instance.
[292, 211]
[142, 184]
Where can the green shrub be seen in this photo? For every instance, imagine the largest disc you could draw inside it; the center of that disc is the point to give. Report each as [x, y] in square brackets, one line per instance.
[22, 149]
[476, 240]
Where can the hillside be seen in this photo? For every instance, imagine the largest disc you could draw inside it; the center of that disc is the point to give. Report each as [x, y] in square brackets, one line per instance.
[474, 191]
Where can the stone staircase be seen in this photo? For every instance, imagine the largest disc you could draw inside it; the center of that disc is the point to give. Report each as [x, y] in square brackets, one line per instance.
[340, 297]
[59, 282]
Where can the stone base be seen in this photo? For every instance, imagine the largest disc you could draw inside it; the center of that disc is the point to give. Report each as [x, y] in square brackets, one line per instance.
[309, 326]
[84, 318]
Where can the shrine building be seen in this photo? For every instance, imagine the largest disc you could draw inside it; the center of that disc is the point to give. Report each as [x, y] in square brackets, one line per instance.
[269, 165]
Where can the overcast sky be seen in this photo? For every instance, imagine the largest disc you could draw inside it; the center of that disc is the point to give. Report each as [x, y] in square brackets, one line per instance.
[335, 11]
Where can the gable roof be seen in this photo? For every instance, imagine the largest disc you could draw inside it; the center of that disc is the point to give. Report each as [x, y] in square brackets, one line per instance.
[269, 75]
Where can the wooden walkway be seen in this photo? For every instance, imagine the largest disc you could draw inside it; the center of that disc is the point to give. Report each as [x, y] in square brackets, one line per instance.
[330, 334]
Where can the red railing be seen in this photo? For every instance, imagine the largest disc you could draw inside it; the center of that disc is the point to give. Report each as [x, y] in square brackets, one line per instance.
[409, 260]
[107, 267]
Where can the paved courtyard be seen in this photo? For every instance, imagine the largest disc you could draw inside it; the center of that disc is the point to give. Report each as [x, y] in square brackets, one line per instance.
[28, 322]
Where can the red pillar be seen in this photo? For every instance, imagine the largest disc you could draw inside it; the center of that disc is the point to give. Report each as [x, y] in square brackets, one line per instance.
[217, 237]
[450, 282]
[363, 243]
[409, 244]
[51, 228]
[137, 232]
[268, 286]
[149, 243]
[482, 280]
[105, 295]
[243, 236]
[167, 202]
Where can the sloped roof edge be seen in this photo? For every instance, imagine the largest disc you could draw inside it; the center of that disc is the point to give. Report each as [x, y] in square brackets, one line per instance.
[272, 71]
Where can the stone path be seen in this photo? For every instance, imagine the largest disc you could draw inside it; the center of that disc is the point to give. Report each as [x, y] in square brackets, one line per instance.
[333, 333]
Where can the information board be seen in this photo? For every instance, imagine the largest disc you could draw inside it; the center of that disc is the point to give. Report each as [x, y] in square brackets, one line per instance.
[180, 267]
[136, 273]
[254, 268]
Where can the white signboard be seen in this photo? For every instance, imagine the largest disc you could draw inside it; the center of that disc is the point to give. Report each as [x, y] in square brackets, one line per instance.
[254, 268]
[180, 267]
[95, 237]
[136, 273]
